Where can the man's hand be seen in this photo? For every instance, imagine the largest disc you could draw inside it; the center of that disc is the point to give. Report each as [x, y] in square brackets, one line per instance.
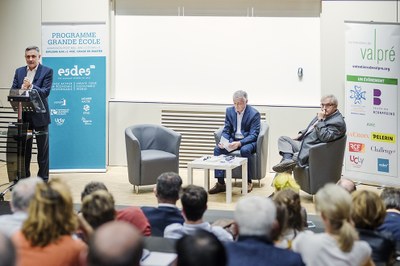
[27, 84]
[235, 145]
[321, 115]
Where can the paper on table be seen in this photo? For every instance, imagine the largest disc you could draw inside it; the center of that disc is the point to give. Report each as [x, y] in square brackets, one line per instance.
[225, 142]
[159, 259]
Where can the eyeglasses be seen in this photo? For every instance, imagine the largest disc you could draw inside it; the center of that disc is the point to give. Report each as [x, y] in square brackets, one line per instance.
[326, 105]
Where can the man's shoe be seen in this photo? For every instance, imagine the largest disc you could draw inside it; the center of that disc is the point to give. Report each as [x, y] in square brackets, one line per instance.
[218, 188]
[249, 188]
[285, 165]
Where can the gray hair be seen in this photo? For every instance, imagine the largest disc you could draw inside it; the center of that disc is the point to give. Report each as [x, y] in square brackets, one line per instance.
[32, 47]
[240, 94]
[332, 99]
[255, 216]
[23, 192]
[391, 198]
[169, 186]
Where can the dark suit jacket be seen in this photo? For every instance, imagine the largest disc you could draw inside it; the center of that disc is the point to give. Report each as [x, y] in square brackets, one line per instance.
[257, 251]
[42, 84]
[250, 127]
[161, 217]
[332, 128]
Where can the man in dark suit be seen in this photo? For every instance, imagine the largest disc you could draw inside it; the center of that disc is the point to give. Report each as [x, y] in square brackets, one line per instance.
[255, 217]
[242, 126]
[167, 193]
[328, 125]
[38, 78]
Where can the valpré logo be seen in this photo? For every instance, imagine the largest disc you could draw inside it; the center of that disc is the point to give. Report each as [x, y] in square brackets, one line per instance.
[356, 161]
[75, 71]
[382, 150]
[356, 147]
[383, 165]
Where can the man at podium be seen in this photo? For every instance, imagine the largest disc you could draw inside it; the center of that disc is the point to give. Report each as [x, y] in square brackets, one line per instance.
[35, 76]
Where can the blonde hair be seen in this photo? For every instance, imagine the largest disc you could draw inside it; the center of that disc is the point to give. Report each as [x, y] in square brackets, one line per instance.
[334, 203]
[368, 210]
[50, 214]
[98, 208]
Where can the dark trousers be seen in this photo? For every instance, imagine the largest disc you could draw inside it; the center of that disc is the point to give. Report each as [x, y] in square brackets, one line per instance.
[42, 143]
[245, 151]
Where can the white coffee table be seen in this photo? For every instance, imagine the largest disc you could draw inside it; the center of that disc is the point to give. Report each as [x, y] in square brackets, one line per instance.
[218, 162]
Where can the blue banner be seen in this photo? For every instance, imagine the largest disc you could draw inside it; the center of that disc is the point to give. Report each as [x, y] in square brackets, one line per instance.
[77, 101]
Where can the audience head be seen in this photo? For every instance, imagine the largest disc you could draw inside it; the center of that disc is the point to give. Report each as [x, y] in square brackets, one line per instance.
[50, 214]
[92, 187]
[8, 254]
[23, 192]
[291, 200]
[115, 243]
[282, 220]
[98, 208]
[240, 100]
[334, 204]
[201, 248]
[168, 187]
[194, 202]
[391, 198]
[255, 216]
[368, 210]
[347, 184]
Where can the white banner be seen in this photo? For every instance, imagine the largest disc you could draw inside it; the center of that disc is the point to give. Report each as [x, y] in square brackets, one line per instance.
[372, 102]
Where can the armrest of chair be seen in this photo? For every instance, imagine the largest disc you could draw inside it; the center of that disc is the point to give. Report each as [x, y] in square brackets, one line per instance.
[217, 134]
[262, 148]
[133, 155]
[170, 140]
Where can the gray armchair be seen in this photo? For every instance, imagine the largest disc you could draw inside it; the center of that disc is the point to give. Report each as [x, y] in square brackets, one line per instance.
[260, 157]
[150, 151]
[325, 166]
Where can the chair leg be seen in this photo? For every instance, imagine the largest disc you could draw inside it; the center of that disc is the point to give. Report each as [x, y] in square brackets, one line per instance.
[134, 189]
[259, 182]
[234, 184]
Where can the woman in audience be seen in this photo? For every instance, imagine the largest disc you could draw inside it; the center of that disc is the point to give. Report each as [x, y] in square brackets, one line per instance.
[98, 208]
[294, 224]
[339, 244]
[46, 235]
[368, 214]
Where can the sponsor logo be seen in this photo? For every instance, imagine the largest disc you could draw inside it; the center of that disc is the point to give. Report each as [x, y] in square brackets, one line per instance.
[356, 161]
[59, 121]
[86, 99]
[86, 107]
[357, 95]
[370, 124]
[382, 137]
[86, 122]
[62, 102]
[358, 135]
[383, 165]
[356, 147]
[377, 99]
[75, 71]
[382, 150]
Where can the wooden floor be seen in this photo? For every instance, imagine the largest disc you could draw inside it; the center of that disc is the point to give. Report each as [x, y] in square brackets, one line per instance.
[116, 179]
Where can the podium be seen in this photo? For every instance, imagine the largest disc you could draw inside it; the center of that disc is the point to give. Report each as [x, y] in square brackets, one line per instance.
[18, 134]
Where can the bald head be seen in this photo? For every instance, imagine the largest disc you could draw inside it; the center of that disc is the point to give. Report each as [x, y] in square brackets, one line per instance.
[115, 243]
[347, 184]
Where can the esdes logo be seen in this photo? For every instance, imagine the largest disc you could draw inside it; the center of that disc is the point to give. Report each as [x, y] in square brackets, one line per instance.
[356, 161]
[383, 165]
[75, 71]
[356, 147]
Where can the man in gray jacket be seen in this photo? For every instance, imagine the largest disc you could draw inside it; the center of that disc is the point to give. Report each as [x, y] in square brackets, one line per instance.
[327, 126]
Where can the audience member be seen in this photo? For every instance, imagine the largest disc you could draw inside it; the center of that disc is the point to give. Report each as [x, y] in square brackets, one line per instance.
[21, 196]
[282, 220]
[46, 235]
[328, 125]
[347, 184]
[7, 251]
[368, 214]
[256, 219]
[167, 193]
[98, 208]
[391, 199]
[194, 202]
[115, 243]
[242, 126]
[339, 244]
[133, 215]
[295, 221]
[200, 249]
